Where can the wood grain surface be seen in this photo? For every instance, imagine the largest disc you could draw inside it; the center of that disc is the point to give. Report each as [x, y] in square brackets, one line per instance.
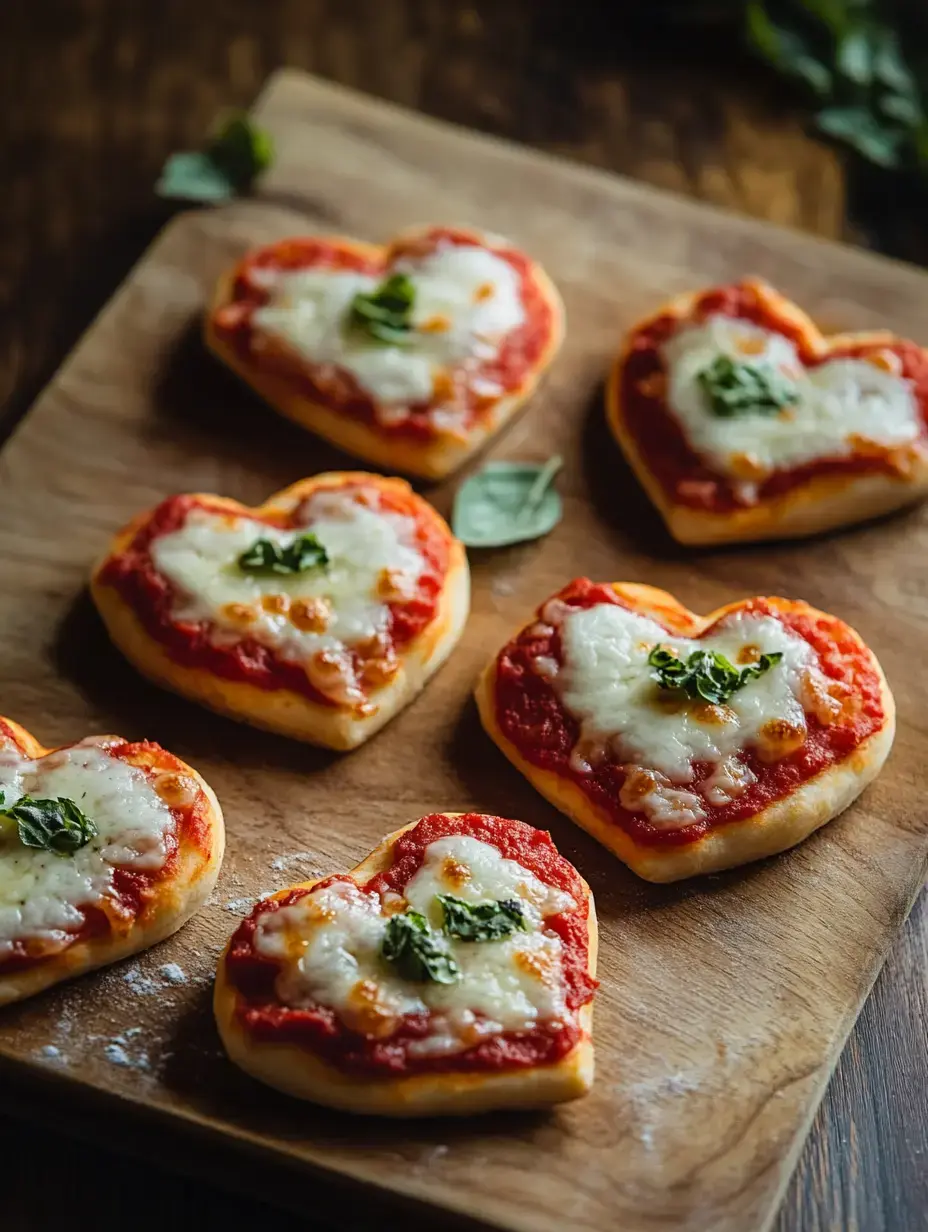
[724, 1002]
[95, 93]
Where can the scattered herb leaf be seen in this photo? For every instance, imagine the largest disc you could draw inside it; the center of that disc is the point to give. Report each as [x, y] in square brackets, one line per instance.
[58, 826]
[706, 674]
[734, 388]
[481, 921]
[417, 951]
[385, 314]
[507, 502]
[236, 154]
[265, 556]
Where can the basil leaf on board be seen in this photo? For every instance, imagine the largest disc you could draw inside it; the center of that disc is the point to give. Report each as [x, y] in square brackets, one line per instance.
[506, 503]
[417, 951]
[385, 314]
[706, 674]
[58, 826]
[481, 921]
[233, 158]
[735, 388]
[266, 556]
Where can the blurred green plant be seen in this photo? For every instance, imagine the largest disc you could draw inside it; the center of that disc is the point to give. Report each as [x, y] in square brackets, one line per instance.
[862, 64]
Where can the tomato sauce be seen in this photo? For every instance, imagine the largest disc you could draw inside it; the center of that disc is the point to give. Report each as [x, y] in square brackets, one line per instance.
[519, 353]
[132, 890]
[318, 1028]
[151, 596]
[531, 716]
[660, 436]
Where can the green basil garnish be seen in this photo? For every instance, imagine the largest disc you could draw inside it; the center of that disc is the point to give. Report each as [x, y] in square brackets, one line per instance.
[706, 674]
[507, 502]
[733, 388]
[265, 556]
[233, 158]
[481, 921]
[385, 314]
[58, 826]
[417, 951]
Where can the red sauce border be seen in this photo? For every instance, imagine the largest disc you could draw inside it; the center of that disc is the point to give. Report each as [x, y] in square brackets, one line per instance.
[683, 473]
[531, 716]
[133, 575]
[135, 893]
[521, 351]
[318, 1028]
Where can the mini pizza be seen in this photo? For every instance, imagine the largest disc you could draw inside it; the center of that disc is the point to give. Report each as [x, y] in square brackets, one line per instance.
[451, 972]
[319, 615]
[106, 847]
[688, 744]
[409, 356]
[743, 422]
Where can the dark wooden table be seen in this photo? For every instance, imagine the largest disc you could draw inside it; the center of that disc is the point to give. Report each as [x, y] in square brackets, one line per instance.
[95, 93]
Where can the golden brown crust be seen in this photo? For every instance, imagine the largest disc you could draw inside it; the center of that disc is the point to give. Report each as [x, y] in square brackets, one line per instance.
[776, 828]
[297, 1072]
[174, 900]
[393, 451]
[284, 710]
[821, 503]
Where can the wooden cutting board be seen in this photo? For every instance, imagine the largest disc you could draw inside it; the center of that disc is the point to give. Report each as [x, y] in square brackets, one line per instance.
[724, 1002]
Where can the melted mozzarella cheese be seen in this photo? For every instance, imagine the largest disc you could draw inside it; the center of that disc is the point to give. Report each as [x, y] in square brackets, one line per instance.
[329, 943]
[842, 402]
[467, 300]
[323, 610]
[607, 684]
[41, 894]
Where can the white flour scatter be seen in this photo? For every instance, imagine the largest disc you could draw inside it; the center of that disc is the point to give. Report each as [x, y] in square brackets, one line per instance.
[242, 906]
[126, 1051]
[51, 1055]
[291, 858]
[138, 982]
[173, 973]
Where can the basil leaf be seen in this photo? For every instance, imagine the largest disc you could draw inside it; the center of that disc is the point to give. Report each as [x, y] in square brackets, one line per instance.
[506, 503]
[58, 826]
[417, 951]
[855, 57]
[785, 49]
[735, 388]
[235, 155]
[860, 128]
[385, 314]
[706, 675]
[266, 556]
[481, 921]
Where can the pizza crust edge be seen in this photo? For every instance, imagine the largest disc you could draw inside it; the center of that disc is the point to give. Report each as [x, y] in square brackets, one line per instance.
[391, 450]
[175, 901]
[295, 1070]
[781, 825]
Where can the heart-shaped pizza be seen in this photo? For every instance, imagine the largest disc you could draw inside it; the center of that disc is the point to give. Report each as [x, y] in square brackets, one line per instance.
[106, 847]
[742, 421]
[451, 972]
[688, 744]
[319, 614]
[409, 356]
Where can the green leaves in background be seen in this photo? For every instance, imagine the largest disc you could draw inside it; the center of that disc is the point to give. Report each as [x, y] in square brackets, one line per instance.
[237, 153]
[58, 826]
[507, 502]
[265, 556]
[849, 54]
